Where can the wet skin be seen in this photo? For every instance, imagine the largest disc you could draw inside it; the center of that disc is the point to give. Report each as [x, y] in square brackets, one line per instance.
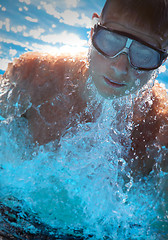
[116, 77]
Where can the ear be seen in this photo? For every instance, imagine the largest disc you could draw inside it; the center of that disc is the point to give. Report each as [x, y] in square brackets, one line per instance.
[95, 16]
[164, 60]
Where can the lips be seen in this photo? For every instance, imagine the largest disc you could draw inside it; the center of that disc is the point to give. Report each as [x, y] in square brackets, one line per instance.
[114, 83]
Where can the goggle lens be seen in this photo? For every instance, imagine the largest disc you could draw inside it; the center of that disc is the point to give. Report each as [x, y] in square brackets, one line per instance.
[143, 57]
[110, 44]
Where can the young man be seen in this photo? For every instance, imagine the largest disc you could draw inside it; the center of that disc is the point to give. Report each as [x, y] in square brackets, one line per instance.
[128, 44]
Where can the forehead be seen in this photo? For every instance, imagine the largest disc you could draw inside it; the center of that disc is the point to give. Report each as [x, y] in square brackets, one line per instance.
[118, 18]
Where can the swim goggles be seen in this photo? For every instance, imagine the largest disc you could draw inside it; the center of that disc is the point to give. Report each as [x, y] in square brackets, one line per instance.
[141, 55]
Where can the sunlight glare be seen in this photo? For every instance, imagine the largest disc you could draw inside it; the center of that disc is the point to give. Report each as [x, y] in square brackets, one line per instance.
[66, 49]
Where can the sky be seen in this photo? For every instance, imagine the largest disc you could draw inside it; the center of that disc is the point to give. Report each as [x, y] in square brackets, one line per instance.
[47, 26]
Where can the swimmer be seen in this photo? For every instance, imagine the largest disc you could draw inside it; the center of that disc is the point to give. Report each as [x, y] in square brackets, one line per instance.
[128, 43]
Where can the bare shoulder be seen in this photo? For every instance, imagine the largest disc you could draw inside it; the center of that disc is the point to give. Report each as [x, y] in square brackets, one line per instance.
[39, 72]
[40, 67]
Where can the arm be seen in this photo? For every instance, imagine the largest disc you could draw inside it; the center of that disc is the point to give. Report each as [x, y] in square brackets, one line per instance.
[42, 76]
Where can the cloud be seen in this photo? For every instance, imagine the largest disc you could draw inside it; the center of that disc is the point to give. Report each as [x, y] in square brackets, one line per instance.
[14, 42]
[162, 69]
[50, 6]
[3, 9]
[25, 8]
[12, 52]
[64, 38]
[6, 24]
[18, 28]
[4, 63]
[71, 3]
[25, 1]
[50, 9]
[1, 24]
[69, 17]
[35, 20]
[35, 33]
[74, 19]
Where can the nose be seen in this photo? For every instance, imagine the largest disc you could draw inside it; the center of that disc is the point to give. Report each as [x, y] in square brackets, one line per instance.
[120, 64]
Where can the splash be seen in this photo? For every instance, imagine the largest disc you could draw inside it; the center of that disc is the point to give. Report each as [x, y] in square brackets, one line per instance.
[13, 103]
[84, 186]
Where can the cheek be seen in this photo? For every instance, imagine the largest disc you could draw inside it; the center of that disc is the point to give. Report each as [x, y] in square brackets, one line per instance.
[98, 63]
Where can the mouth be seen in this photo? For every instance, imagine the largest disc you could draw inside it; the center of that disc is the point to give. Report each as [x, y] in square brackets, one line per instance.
[113, 83]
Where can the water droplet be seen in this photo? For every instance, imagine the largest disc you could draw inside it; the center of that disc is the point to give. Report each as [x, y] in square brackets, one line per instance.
[127, 92]
[137, 82]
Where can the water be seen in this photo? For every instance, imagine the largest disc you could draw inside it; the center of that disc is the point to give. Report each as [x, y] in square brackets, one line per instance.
[81, 187]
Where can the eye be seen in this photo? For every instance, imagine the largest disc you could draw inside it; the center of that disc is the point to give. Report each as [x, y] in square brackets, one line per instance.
[109, 42]
[144, 56]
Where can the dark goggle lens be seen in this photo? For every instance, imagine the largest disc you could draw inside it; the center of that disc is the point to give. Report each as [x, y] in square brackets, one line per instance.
[109, 43]
[144, 57]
